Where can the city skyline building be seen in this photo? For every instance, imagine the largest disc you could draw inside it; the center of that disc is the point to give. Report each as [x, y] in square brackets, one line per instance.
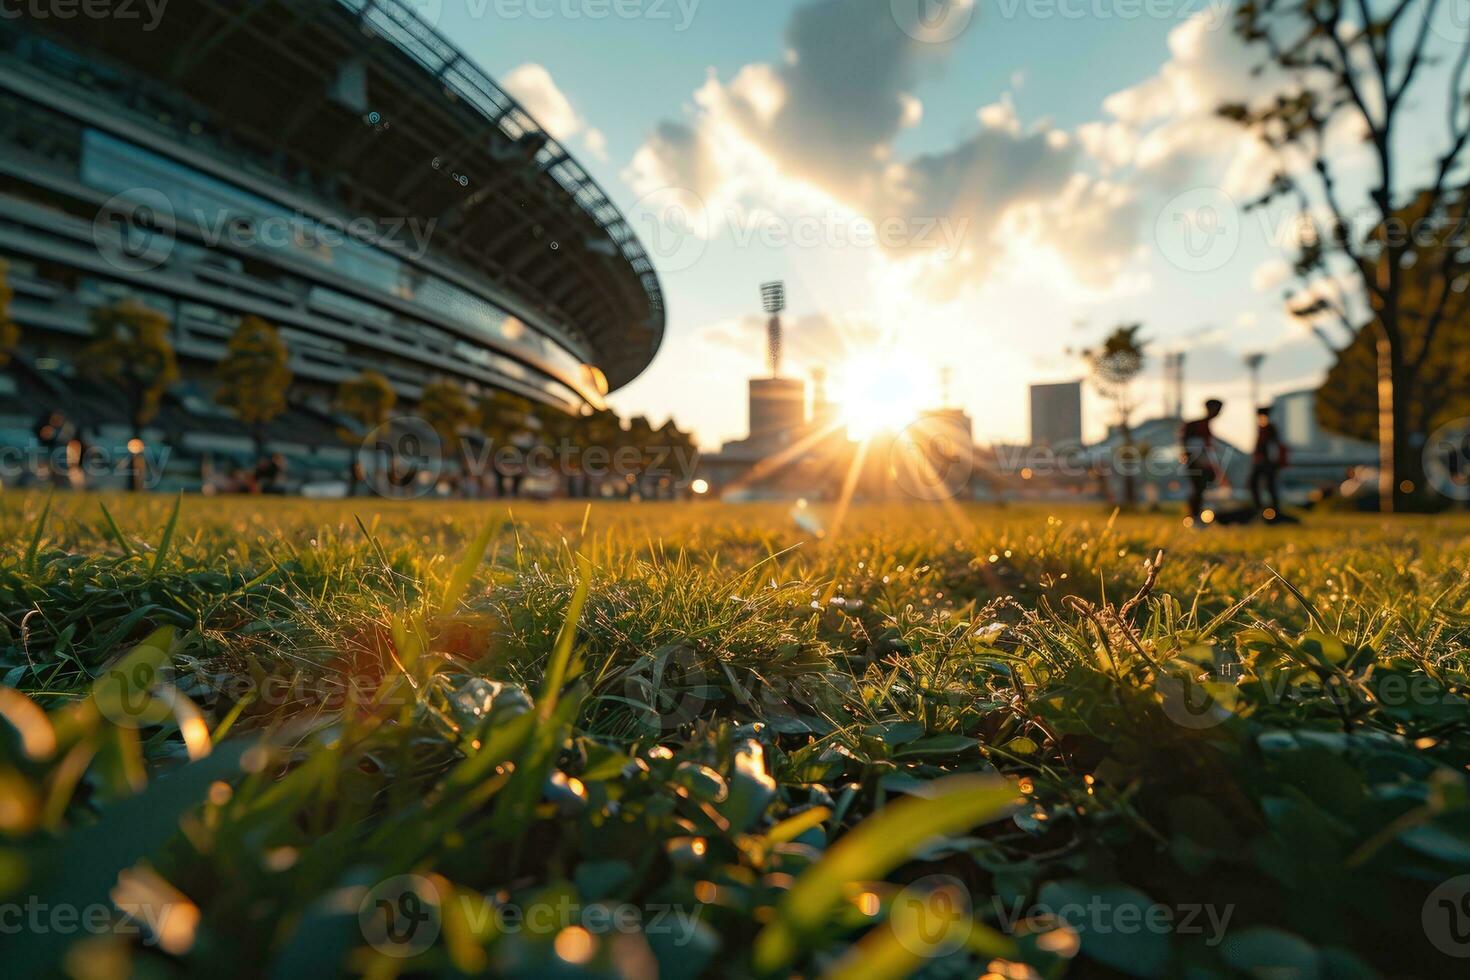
[1056, 414]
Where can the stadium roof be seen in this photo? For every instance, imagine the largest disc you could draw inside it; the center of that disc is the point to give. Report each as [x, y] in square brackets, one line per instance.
[370, 107]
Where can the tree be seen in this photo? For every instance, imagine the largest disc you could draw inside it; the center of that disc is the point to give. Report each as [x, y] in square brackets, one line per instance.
[254, 376]
[601, 428]
[561, 432]
[681, 450]
[503, 414]
[1114, 367]
[9, 332]
[367, 399]
[640, 437]
[1438, 360]
[131, 350]
[1351, 68]
[446, 409]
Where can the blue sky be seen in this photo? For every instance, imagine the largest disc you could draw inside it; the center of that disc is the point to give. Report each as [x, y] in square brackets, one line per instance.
[1059, 149]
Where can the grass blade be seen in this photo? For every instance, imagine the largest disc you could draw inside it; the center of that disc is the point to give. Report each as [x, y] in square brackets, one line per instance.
[873, 849]
[116, 531]
[35, 545]
[168, 536]
[459, 579]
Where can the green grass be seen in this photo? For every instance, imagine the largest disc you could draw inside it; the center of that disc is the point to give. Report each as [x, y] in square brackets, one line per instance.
[686, 740]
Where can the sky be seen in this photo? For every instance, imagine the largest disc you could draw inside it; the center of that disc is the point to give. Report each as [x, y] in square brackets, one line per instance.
[974, 189]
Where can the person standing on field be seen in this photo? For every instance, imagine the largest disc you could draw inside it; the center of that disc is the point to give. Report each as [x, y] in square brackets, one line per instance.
[1198, 456]
[1268, 459]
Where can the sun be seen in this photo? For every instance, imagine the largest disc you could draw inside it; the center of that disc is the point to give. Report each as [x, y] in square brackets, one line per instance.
[879, 391]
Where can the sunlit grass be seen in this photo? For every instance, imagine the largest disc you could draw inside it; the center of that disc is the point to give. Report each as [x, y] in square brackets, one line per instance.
[680, 706]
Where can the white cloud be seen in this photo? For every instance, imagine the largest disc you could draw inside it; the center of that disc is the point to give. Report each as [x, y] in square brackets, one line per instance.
[533, 87]
[817, 340]
[1270, 274]
[1167, 126]
[596, 143]
[819, 129]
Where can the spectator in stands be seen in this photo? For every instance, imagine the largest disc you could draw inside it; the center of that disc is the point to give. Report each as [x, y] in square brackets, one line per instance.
[1198, 456]
[1267, 460]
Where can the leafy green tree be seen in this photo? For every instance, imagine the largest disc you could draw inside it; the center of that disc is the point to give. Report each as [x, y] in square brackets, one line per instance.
[446, 409]
[641, 436]
[1115, 366]
[1353, 67]
[564, 434]
[678, 447]
[1436, 327]
[254, 377]
[131, 350]
[603, 429]
[9, 331]
[502, 415]
[367, 399]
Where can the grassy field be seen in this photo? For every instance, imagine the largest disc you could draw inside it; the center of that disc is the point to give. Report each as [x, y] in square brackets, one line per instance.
[684, 740]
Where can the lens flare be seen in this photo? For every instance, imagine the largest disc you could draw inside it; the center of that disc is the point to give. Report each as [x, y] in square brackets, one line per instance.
[881, 391]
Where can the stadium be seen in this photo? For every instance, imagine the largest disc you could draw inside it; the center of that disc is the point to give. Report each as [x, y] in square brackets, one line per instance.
[336, 168]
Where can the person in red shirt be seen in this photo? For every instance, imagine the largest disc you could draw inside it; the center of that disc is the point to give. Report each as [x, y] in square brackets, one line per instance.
[1198, 455]
[1267, 460]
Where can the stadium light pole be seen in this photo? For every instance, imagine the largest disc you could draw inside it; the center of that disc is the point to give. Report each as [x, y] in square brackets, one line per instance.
[773, 298]
[1253, 362]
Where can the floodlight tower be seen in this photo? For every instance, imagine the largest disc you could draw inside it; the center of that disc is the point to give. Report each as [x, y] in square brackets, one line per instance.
[1253, 362]
[1174, 384]
[773, 298]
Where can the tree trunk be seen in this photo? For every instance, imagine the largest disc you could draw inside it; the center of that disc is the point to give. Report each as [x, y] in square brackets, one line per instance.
[1385, 424]
[1395, 449]
[1130, 481]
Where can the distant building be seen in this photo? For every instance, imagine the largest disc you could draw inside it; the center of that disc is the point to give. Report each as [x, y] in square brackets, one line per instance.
[1056, 414]
[785, 454]
[777, 410]
[951, 423]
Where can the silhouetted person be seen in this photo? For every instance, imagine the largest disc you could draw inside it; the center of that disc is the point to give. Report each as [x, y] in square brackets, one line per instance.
[270, 474]
[1266, 462]
[1199, 456]
[76, 459]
